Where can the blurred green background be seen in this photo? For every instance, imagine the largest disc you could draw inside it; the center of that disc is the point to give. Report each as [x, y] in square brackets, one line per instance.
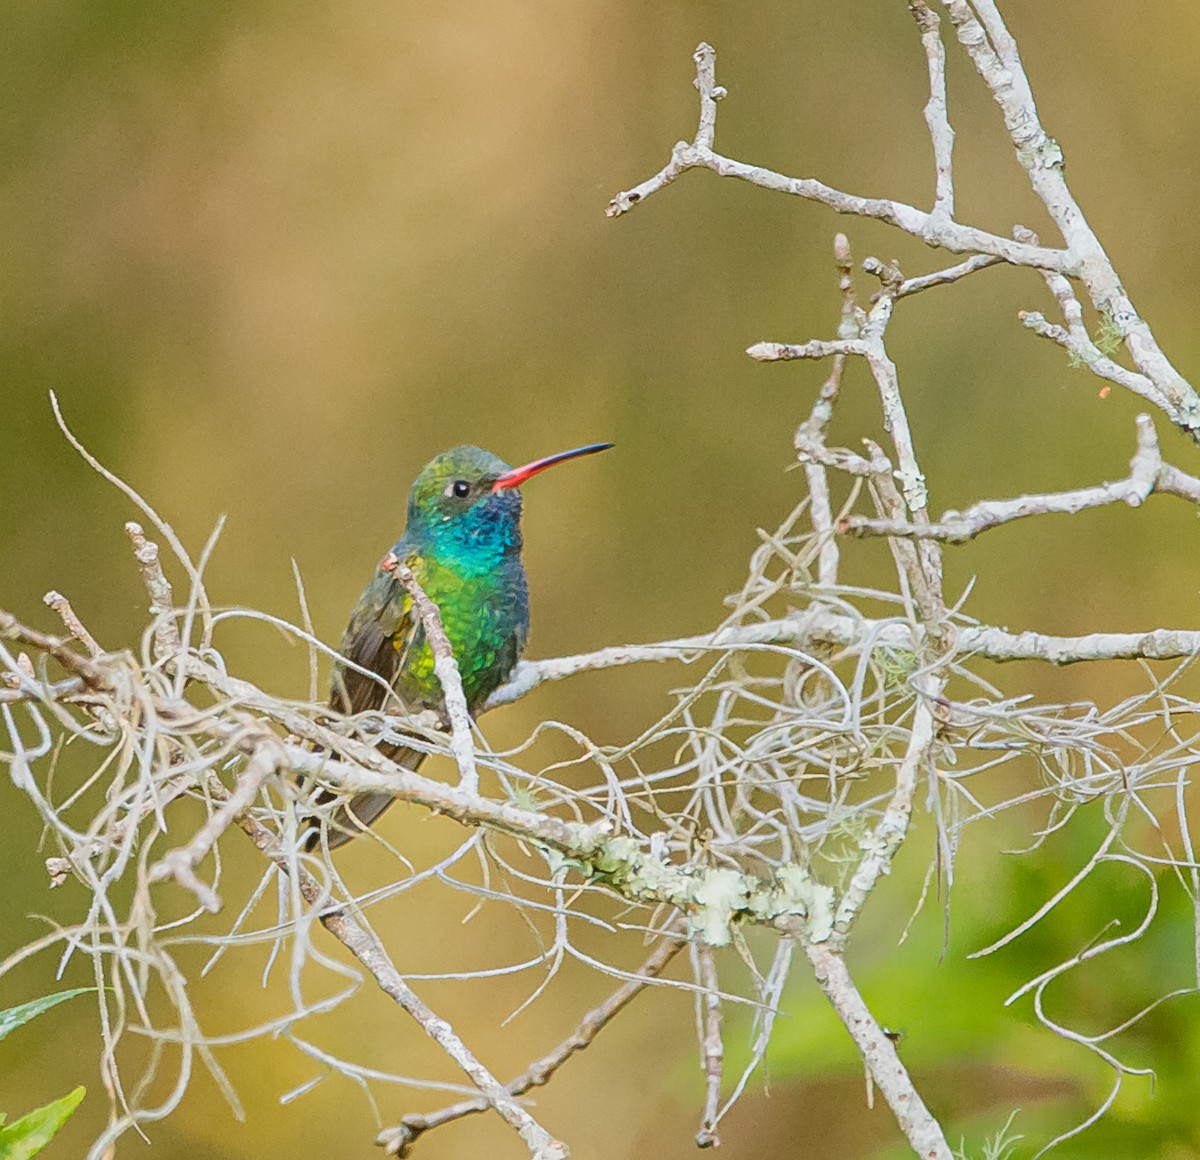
[273, 257]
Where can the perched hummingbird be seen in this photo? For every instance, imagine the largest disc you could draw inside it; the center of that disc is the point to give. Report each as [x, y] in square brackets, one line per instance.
[462, 541]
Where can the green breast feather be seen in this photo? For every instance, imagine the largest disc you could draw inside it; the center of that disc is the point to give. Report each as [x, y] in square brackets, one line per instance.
[486, 619]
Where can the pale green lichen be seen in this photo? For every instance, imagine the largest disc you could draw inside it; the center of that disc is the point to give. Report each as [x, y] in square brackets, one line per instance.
[717, 896]
[1109, 338]
[896, 665]
[842, 847]
[794, 891]
[1044, 153]
[914, 487]
[713, 899]
[525, 798]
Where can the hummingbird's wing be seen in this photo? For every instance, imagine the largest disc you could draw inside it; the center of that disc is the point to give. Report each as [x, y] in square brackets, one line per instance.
[377, 639]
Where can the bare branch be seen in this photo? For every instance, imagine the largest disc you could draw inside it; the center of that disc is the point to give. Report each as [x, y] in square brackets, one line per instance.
[924, 572]
[995, 55]
[936, 114]
[810, 437]
[1148, 474]
[62, 606]
[1078, 343]
[712, 1047]
[162, 598]
[879, 1054]
[1039, 155]
[817, 348]
[933, 229]
[949, 275]
[1080, 346]
[890, 832]
[92, 673]
[710, 93]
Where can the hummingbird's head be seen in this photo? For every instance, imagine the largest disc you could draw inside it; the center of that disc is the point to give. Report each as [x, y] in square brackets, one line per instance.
[466, 503]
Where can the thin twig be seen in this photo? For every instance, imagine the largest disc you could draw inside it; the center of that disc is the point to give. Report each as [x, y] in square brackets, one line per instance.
[164, 528]
[75, 627]
[95, 674]
[398, 1141]
[937, 117]
[949, 275]
[162, 599]
[810, 437]
[712, 1046]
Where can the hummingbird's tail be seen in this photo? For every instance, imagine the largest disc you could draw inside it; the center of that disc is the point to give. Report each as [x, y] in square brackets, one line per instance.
[360, 812]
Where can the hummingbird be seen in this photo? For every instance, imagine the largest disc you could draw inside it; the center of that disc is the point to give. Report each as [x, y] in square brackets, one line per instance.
[462, 540]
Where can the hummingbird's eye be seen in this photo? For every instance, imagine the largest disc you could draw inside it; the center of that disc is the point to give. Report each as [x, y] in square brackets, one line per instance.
[460, 488]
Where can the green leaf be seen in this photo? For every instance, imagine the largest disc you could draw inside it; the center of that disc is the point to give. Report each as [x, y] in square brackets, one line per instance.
[27, 1136]
[11, 1019]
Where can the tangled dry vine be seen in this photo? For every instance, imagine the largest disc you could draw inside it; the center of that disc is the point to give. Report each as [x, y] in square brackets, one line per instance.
[774, 793]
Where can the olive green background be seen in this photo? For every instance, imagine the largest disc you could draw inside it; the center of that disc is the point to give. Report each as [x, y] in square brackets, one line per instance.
[273, 257]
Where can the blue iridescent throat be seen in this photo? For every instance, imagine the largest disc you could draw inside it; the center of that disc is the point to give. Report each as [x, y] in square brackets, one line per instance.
[472, 542]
